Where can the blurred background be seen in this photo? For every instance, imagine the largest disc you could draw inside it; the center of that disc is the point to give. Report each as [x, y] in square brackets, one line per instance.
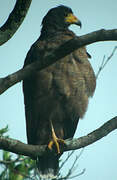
[100, 158]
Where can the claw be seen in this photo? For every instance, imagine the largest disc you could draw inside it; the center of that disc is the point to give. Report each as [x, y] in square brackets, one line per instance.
[55, 140]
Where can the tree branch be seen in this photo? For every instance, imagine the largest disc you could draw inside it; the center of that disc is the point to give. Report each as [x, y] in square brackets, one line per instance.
[14, 20]
[33, 151]
[105, 61]
[56, 54]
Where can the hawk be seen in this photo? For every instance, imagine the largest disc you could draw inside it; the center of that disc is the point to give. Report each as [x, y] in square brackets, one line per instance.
[57, 96]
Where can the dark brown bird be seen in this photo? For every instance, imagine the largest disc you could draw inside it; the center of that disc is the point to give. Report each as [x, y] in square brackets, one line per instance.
[57, 96]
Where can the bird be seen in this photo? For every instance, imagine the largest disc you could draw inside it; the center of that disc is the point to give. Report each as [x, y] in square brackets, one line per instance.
[56, 97]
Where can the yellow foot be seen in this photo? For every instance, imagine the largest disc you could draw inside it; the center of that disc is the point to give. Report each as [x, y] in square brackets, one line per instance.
[55, 141]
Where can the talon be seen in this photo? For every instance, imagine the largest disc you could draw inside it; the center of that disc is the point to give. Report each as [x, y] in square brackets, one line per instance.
[55, 140]
[50, 145]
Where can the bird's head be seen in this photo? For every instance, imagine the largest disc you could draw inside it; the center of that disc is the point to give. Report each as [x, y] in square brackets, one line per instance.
[60, 17]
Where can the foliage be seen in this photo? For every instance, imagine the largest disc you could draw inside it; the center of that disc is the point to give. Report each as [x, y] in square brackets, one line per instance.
[15, 167]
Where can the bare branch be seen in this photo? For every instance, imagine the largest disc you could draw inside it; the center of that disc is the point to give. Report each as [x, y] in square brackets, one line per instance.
[71, 144]
[93, 136]
[20, 148]
[14, 20]
[73, 167]
[79, 174]
[104, 62]
[56, 54]
[63, 163]
[7, 162]
[18, 159]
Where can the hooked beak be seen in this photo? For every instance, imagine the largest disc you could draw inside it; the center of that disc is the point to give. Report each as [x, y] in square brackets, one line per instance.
[71, 19]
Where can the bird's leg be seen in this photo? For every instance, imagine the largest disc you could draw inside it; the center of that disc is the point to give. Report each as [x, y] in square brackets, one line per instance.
[55, 140]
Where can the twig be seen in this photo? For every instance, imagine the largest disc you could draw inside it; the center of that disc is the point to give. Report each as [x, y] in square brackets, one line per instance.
[63, 163]
[18, 159]
[79, 174]
[104, 62]
[73, 167]
[81, 152]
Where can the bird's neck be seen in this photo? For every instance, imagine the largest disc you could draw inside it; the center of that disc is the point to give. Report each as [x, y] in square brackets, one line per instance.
[48, 31]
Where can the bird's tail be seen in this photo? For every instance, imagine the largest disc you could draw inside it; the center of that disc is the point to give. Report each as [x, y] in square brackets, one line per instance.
[48, 166]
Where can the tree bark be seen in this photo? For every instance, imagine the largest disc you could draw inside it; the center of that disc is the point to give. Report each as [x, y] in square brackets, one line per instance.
[33, 151]
[14, 20]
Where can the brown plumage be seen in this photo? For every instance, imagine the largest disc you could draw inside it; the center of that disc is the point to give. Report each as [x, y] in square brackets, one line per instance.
[59, 93]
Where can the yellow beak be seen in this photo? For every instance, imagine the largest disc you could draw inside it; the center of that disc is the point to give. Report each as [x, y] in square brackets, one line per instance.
[71, 19]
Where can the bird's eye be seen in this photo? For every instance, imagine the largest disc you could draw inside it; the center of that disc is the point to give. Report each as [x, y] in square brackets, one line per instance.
[65, 14]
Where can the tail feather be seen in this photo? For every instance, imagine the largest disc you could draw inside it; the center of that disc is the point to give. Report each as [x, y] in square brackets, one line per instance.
[48, 166]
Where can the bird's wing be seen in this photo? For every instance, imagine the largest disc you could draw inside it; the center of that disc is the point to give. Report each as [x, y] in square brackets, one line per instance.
[59, 92]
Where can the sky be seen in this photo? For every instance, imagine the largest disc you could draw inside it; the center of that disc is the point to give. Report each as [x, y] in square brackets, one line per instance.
[100, 158]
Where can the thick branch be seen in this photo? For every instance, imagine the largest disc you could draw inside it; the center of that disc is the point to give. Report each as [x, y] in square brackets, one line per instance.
[33, 151]
[56, 54]
[14, 20]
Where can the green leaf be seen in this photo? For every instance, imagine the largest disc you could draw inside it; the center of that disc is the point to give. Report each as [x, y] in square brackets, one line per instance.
[3, 131]
[6, 156]
[14, 176]
[3, 175]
